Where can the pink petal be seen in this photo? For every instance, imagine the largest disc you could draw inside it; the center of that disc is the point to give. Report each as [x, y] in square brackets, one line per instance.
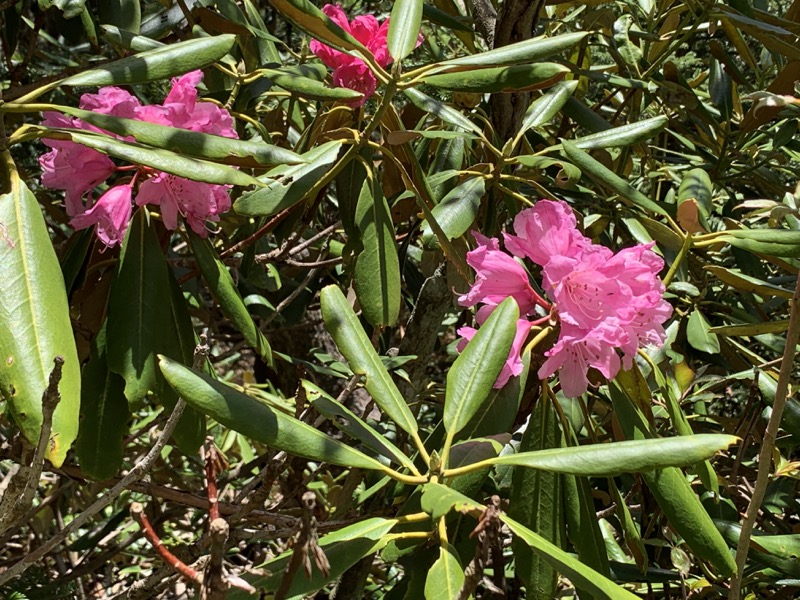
[548, 229]
[111, 213]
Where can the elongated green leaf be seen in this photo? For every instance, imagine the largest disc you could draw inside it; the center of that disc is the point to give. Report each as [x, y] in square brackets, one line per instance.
[353, 343]
[317, 24]
[437, 500]
[634, 456]
[536, 502]
[104, 418]
[606, 178]
[582, 576]
[773, 242]
[126, 39]
[287, 185]
[138, 309]
[343, 548]
[624, 135]
[445, 113]
[160, 63]
[457, 210]
[223, 288]
[474, 372]
[404, 27]
[162, 160]
[347, 421]
[545, 108]
[309, 88]
[191, 143]
[583, 529]
[673, 493]
[744, 282]
[377, 268]
[34, 319]
[779, 552]
[498, 79]
[699, 335]
[258, 421]
[526, 51]
[696, 187]
[445, 577]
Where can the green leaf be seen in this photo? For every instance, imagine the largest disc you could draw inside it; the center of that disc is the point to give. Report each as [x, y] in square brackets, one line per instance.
[603, 176]
[445, 577]
[474, 372]
[354, 345]
[773, 242]
[447, 114]
[527, 51]
[624, 135]
[34, 319]
[536, 503]
[104, 418]
[138, 309]
[191, 143]
[125, 14]
[343, 548]
[70, 8]
[457, 210]
[258, 421]
[376, 272]
[287, 185]
[309, 88]
[498, 79]
[437, 500]
[317, 24]
[126, 39]
[673, 493]
[404, 27]
[224, 290]
[779, 552]
[157, 64]
[162, 160]
[696, 185]
[583, 529]
[699, 335]
[582, 576]
[347, 421]
[633, 456]
[547, 106]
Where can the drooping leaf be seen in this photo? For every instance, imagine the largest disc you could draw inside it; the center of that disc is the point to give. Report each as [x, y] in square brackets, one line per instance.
[457, 210]
[699, 335]
[138, 309]
[377, 267]
[258, 421]
[547, 106]
[445, 577]
[34, 319]
[125, 14]
[224, 290]
[317, 24]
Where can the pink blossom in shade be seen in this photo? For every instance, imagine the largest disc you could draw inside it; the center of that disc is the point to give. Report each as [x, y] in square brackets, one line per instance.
[111, 101]
[111, 213]
[182, 110]
[546, 230]
[578, 350]
[513, 365]
[70, 166]
[497, 276]
[198, 202]
[356, 76]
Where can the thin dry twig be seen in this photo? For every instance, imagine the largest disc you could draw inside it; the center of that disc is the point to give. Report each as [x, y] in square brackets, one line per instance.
[768, 444]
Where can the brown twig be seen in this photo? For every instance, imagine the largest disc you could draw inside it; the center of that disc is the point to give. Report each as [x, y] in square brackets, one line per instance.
[137, 512]
[215, 587]
[768, 444]
[305, 547]
[214, 464]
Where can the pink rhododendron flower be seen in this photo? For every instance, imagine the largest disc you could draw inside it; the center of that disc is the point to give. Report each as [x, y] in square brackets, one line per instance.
[197, 202]
[498, 276]
[350, 71]
[609, 305]
[79, 170]
[111, 213]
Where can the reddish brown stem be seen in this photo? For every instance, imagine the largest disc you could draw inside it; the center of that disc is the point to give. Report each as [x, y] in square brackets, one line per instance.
[137, 512]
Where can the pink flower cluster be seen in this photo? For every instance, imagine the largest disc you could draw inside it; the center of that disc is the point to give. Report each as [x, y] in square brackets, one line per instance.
[608, 304]
[349, 71]
[79, 170]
